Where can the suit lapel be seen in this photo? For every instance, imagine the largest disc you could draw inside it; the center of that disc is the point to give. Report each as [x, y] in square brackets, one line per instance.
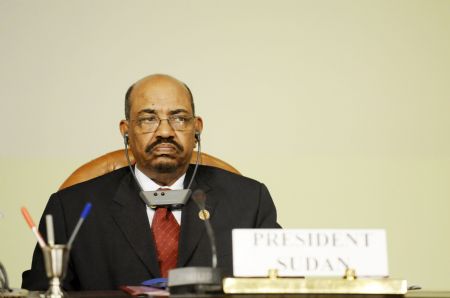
[192, 227]
[129, 212]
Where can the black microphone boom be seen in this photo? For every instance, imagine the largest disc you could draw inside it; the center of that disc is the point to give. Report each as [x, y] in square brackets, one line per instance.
[198, 280]
[199, 198]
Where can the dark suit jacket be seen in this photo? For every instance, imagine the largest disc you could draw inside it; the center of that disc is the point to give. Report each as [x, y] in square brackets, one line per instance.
[115, 246]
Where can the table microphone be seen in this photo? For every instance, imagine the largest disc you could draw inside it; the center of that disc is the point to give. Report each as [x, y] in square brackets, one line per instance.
[198, 280]
[5, 290]
[199, 198]
[4, 284]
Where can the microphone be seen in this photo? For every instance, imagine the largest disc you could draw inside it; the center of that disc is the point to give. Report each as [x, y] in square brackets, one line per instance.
[199, 198]
[5, 289]
[4, 284]
[173, 199]
[198, 280]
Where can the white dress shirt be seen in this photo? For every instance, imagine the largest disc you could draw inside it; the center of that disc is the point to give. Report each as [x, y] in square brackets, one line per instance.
[148, 184]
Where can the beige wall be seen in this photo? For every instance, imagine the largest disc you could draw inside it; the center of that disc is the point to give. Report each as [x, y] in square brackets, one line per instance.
[340, 107]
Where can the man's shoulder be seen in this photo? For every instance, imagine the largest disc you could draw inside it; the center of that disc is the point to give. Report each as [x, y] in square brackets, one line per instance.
[107, 181]
[223, 176]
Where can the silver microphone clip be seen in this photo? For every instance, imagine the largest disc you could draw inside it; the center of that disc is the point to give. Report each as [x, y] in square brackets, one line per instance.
[173, 199]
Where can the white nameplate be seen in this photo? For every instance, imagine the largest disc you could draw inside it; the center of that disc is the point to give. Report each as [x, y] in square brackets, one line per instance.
[312, 252]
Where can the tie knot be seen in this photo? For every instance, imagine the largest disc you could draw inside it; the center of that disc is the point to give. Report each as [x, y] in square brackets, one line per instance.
[162, 212]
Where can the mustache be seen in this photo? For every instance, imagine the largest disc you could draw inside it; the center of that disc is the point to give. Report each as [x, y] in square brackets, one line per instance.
[163, 141]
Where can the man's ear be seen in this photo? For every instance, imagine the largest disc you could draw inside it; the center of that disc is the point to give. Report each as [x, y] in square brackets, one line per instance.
[198, 126]
[124, 130]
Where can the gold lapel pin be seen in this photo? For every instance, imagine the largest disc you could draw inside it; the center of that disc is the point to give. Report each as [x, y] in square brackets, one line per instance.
[203, 214]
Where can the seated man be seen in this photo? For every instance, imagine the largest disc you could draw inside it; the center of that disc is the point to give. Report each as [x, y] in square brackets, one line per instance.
[118, 244]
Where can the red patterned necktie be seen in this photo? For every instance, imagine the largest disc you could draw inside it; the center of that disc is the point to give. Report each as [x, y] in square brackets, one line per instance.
[166, 232]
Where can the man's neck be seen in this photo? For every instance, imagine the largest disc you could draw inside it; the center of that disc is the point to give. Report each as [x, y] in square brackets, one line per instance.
[163, 179]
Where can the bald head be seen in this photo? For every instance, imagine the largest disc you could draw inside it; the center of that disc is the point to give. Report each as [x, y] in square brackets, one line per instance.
[155, 79]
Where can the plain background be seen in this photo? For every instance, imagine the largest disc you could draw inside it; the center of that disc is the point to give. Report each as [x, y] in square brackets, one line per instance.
[340, 107]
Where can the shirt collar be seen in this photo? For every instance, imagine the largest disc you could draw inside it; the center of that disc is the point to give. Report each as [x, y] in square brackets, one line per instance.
[148, 184]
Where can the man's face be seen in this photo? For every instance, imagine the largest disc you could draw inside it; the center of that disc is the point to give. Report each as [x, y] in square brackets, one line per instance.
[164, 151]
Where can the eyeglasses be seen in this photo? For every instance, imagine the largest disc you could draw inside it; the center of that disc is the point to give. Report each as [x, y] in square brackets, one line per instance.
[146, 124]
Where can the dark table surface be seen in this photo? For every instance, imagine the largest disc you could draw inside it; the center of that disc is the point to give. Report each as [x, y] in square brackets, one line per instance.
[118, 294]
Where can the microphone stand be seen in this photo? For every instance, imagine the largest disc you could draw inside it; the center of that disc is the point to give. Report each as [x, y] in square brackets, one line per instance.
[5, 290]
[198, 280]
[4, 285]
